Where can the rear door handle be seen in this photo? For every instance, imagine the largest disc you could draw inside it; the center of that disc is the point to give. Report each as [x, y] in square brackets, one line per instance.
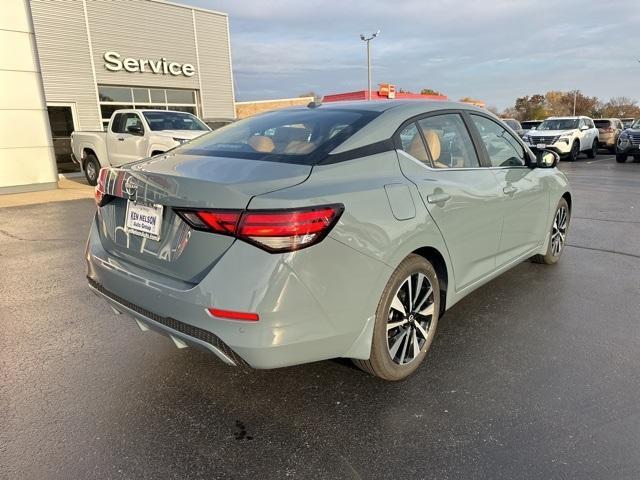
[510, 190]
[438, 197]
[121, 139]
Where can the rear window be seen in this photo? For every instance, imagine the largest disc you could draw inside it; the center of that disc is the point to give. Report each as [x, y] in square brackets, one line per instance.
[288, 136]
[602, 123]
[513, 124]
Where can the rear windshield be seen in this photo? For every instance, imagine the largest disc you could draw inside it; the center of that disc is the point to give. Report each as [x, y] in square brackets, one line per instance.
[288, 136]
[530, 124]
[602, 123]
[173, 121]
[513, 124]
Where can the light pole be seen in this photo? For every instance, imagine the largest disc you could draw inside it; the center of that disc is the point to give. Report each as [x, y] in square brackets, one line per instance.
[368, 40]
[575, 98]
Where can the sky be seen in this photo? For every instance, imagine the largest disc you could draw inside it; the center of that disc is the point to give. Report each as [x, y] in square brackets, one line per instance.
[494, 51]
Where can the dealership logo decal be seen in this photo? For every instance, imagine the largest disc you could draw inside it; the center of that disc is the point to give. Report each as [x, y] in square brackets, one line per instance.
[114, 62]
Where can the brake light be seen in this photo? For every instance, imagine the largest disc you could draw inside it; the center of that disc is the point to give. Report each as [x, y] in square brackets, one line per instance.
[272, 230]
[232, 315]
[100, 195]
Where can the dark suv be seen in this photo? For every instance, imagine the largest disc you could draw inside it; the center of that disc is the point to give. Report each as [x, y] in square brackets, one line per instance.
[629, 143]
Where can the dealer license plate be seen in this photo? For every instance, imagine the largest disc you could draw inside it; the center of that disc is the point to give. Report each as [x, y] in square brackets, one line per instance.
[541, 146]
[144, 220]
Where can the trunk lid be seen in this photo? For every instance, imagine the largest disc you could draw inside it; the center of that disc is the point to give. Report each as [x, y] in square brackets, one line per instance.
[185, 181]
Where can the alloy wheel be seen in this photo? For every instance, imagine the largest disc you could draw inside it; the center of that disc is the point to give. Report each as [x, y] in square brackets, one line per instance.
[409, 318]
[559, 231]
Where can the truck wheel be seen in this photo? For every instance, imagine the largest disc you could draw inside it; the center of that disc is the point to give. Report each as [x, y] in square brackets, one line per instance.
[621, 157]
[91, 169]
[594, 150]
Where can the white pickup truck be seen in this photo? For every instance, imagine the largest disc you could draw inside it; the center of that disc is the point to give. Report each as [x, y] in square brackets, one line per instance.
[132, 135]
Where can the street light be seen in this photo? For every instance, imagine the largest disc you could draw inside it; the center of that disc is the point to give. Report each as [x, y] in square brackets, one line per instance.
[368, 40]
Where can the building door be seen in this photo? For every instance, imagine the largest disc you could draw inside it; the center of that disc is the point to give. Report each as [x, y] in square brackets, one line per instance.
[62, 122]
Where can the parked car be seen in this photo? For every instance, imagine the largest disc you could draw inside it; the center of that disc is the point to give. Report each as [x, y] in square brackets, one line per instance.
[567, 136]
[629, 143]
[528, 125]
[514, 125]
[627, 122]
[132, 135]
[341, 230]
[609, 130]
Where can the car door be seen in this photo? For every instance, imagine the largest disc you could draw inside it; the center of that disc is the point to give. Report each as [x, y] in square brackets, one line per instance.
[525, 201]
[125, 147]
[462, 197]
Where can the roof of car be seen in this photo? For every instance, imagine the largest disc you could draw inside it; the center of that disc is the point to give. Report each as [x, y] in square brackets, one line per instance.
[393, 113]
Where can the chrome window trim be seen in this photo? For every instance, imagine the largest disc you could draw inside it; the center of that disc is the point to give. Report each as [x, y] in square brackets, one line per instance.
[428, 167]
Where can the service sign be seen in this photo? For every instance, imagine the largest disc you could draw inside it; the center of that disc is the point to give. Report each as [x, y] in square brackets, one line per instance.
[114, 62]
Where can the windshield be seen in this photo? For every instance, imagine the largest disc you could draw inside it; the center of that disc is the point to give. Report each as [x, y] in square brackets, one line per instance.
[559, 124]
[289, 136]
[173, 121]
[636, 124]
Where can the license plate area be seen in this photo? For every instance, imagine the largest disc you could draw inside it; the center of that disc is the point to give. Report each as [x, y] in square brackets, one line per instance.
[541, 146]
[143, 220]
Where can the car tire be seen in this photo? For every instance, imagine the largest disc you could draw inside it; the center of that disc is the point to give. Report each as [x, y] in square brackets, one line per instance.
[621, 157]
[574, 152]
[411, 302]
[91, 169]
[593, 153]
[558, 235]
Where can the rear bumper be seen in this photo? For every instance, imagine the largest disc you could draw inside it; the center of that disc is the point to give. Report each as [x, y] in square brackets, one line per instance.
[193, 336]
[305, 313]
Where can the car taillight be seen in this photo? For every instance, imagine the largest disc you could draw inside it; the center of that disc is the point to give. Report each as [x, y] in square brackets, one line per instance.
[101, 196]
[272, 230]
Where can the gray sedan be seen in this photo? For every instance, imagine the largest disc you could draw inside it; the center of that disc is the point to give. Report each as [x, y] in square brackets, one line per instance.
[337, 230]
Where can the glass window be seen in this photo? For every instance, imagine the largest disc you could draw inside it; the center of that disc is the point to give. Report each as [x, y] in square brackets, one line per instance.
[115, 94]
[412, 143]
[157, 95]
[191, 110]
[449, 142]
[173, 121]
[502, 147]
[61, 121]
[116, 125]
[130, 120]
[141, 95]
[107, 110]
[180, 96]
[286, 136]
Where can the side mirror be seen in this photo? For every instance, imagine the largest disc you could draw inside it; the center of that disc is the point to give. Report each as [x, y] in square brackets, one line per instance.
[584, 127]
[546, 159]
[135, 130]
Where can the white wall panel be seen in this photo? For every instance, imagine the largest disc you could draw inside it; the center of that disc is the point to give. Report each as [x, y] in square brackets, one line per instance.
[65, 57]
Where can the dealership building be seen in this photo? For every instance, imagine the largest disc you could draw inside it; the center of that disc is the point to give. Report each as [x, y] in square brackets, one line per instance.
[72, 63]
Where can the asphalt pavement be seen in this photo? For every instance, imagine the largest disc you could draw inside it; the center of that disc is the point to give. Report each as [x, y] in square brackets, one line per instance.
[534, 375]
